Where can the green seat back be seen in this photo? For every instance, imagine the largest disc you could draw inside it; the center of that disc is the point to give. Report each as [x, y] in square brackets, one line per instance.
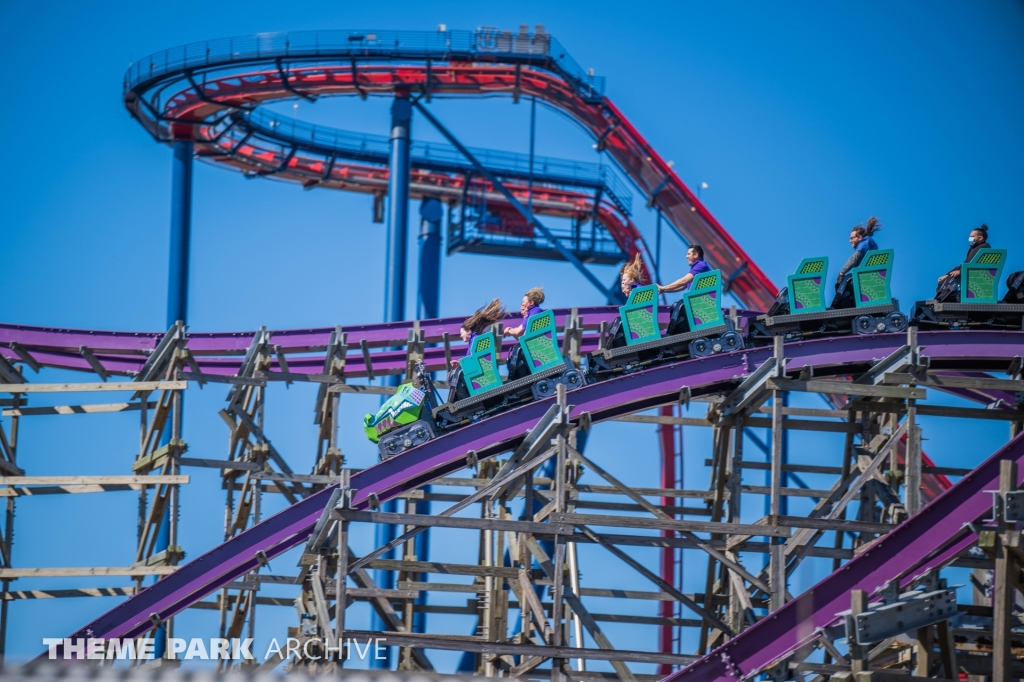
[807, 286]
[640, 315]
[540, 342]
[480, 368]
[704, 301]
[871, 279]
[979, 279]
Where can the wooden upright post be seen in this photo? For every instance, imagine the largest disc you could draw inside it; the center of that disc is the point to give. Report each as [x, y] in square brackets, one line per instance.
[777, 559]
[1003, 590]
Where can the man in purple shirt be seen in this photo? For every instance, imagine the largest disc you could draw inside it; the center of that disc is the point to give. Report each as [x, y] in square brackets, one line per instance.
[695, 256]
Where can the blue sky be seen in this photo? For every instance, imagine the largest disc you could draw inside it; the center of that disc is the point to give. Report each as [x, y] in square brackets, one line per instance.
[803, 118]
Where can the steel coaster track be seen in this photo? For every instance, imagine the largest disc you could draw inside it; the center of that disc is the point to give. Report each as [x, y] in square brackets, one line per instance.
[190, 93]
[934, 536]
[262, 144]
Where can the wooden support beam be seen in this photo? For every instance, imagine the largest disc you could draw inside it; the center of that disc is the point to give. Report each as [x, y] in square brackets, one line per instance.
[658, 419]
[26, 481]
[84, 388]
[362, 389]
[78, 572]
[69, 593]
[939, 381]
[94, 362]
[477, 645]
[846, 388]
[219, 464]
[662, 524]
[96, 408]
[800, 425]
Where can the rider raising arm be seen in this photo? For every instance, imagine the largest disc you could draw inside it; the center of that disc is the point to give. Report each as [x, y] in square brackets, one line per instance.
[695, 256]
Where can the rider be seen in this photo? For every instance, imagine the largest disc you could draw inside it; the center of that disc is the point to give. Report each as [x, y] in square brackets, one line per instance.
[977, 241]
[475, 324]
[530, 305]
[862, 241]
[478, 323]
[632, 275]
[695, 257]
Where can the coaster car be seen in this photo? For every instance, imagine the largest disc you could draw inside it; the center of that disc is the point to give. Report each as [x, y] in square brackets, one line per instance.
[971, 299]
[536, 367]
[862, 304]
[696, 328]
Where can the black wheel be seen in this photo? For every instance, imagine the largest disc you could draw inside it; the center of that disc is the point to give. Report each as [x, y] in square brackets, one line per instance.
[896, 322]
[863, 325]
[731, 341]
[545, 388]
[700, 348]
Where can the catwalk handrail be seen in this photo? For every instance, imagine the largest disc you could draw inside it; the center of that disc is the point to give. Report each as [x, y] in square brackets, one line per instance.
[484, 45]
[948, 350]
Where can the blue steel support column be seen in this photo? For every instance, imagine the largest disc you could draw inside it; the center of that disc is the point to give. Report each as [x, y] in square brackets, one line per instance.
[177, 293]
[427, 307]
[394, 288]
[429, 295]
[181, 233]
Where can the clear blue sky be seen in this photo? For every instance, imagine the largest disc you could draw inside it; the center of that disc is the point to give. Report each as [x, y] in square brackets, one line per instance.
[803, 118]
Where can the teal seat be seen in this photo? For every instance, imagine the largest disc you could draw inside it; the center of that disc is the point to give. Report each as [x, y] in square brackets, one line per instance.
[539, 342]
[979, 279]
[807, 286]
[640, 315]
[871, 279]
[480, 368]
[703, 301]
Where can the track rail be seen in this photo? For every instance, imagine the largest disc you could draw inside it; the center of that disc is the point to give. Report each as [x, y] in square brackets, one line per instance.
[188, 92]
[948, 350]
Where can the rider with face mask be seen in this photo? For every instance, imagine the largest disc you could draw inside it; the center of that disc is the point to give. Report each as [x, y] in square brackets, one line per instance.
[976, 242]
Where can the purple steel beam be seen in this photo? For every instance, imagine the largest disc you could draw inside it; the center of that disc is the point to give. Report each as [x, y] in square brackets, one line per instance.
[220, 353]
[929, 539]
[291, 340]
[604, 400]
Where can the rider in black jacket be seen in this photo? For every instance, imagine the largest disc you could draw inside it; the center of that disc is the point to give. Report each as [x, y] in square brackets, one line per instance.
[977, 241]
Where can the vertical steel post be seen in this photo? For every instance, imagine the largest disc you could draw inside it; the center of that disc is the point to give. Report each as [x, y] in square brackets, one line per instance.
[533, 137]
[177, 296]
[427, 307]
[429, 294]
[394, 289]
[657, 251]
[398, 209]
[181, 233]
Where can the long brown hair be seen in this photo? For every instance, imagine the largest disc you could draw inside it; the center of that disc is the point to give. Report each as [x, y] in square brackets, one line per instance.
[484, 317]
[869, 228]
[633, 270]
